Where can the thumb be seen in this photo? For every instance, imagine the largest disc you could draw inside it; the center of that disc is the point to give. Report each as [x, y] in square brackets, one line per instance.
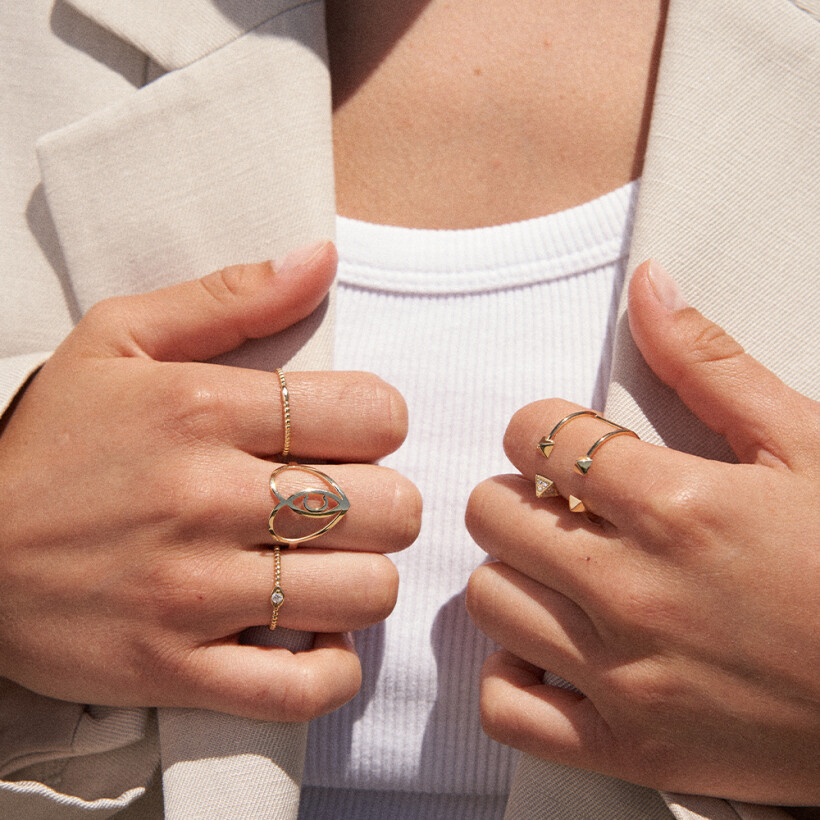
[762, 419]
[201, 318]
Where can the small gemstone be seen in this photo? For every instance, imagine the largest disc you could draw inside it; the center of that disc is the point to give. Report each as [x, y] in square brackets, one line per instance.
[545, 487]
[277, 597]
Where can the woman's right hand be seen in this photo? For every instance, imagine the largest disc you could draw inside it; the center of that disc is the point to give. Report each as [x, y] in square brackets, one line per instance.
[134, 546]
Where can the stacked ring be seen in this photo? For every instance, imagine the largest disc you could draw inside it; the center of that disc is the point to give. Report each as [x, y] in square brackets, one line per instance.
[583, 464]
[328, 502]
[548, 442]
[545, 487]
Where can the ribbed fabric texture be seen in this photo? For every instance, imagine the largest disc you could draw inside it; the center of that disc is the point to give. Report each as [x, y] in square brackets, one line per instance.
[469, 326]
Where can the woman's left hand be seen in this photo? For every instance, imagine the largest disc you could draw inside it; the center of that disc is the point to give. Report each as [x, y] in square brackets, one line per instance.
[688, 611]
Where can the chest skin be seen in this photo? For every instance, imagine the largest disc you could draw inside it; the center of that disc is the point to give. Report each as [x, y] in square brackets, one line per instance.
[458, 114]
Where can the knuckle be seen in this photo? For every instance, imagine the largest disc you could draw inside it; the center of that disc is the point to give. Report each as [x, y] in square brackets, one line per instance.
[185, 499]
[634, 616]
[304, 697]
[379, 405]
[393, 409]
[158, 661]
[388, 406]
[312, 693]
[170, 594]
[480, 594]
[225, 285]
[104, 315]
[653, 694]
[492, 717]
[533, 421]
[685, 514]
[498, 720]
[711, 343]
[193, 407]
[646, 686]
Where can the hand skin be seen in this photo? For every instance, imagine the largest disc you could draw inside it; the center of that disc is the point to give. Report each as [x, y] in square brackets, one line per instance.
[689, 614]
[133, 542]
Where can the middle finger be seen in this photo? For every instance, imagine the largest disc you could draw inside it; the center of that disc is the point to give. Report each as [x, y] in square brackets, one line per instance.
[543, 540]
[233, 503]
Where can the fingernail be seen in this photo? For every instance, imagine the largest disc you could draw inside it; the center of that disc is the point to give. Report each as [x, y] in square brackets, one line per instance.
[665, 288]
[299, 257]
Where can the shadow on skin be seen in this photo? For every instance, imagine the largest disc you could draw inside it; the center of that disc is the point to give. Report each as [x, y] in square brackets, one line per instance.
[349, 25]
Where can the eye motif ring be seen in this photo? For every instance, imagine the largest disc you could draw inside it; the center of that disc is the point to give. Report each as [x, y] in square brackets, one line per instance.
[328, 502]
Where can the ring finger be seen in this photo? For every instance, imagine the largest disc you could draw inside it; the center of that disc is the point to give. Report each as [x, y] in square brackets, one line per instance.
[324, 591]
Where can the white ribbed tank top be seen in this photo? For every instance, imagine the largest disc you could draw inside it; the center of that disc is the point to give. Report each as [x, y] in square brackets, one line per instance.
[469, 325]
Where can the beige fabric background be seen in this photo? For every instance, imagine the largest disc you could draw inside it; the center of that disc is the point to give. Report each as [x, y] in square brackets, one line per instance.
[228, 157]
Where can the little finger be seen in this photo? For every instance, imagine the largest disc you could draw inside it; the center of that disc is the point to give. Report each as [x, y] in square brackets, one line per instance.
[271, 683]
[544, 721]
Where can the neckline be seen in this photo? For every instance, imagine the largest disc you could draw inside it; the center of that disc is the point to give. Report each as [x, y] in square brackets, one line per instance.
[418, 260]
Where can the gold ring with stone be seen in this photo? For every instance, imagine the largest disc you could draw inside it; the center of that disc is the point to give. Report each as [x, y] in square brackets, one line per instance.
[277, 597]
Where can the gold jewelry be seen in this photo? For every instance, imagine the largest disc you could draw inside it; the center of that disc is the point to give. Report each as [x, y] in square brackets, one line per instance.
[285, 411]
[313, 502]
[547, 443]
[545, 487]
[576, 505]
[583, 464]
[277, 597]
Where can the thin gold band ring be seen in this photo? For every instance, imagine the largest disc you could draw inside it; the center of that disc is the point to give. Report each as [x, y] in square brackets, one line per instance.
[285, 411]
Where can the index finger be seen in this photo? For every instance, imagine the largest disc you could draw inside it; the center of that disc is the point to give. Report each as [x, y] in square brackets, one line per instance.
[627, 475]
[333, 416]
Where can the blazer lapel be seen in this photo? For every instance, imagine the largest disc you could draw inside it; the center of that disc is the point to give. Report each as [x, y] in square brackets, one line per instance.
[736, 223]
[728, 201]
[226, 158]
[176, 34]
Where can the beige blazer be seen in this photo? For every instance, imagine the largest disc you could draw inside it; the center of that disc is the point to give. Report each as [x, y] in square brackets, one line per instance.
[227, 156]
